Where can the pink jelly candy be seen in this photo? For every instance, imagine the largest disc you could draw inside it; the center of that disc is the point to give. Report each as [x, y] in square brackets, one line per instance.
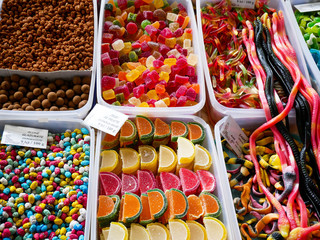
[182, 101]
[181, 80]
[123, 89]
[138, 91]
[157, 63]
[106, 60]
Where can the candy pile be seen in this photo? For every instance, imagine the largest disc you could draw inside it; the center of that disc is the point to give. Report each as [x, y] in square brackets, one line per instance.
[147, 55]
[158, 187]
[43, 193]
[35, 94]
[309, 25]
[231, 73]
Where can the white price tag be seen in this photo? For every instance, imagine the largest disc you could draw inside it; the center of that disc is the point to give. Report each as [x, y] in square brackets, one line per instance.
[106, 119]
[24, 136]
[234, 135]
[308, 7]
[243, 3]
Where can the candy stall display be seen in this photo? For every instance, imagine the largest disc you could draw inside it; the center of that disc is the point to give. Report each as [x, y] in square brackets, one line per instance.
[149, 59]
[159, 177]
[231, 81]
[47, 49]
[305, 25]
[45, 193]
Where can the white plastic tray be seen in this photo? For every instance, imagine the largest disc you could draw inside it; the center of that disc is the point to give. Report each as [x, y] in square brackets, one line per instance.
[201, 98]
[217, 109]
[249, 124]
[312, 66]
[221, 191]
[59, 126]
[65, 75]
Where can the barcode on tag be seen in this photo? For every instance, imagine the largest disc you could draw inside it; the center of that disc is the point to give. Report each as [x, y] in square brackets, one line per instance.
[24, 136]
[233, 134]
[106, 119]
[308, 7]
[243, 3]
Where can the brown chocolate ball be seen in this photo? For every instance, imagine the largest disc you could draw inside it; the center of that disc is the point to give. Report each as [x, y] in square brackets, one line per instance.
[34, 80]
[41, 97]
[52, 86]
[18, 95]
[36, 91]
[63, 108]
[22, 89]
[77, 89]
[70, 93]
[3, 98]
[76, 100]
[54, 108]
[23, 82]
[84, 96]
[46, 103]
[82, 103]
[35, 103]
[61, 93]
[52, 96]
[85, 88]
[14, 78]
[46, 91]
[71, 104]
[24, 106]
[5, 85]
[86, 80]
[59, 102]
[24, 100]
[30, 95]
[59, 82]
[64, 87]
[29, 108]
[76, 80]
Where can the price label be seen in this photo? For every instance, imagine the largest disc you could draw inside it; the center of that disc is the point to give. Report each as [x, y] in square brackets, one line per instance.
[24, 136]
[308, 7]
[234, 135]
[106, 119]
[243, 3]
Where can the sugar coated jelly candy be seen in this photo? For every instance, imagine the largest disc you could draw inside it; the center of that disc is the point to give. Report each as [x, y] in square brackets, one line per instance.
[108, 82]
[105, 59]
[191, 94]
[132, 28]
[160, 103]
[181, 91]
[172, 17]
[182, 101]
[134, 101]
[192, 59]
[108, 94]
[138, 91]
[159, 14]
[118, 45]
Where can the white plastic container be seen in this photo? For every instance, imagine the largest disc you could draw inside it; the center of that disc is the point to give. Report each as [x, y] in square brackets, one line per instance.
[65, 75]
[201, 98]
[208, 143]
[311, 64]
[217, 109]
[250, 124]
[59, 126]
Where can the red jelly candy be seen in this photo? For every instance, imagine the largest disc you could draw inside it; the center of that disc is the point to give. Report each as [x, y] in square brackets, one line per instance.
[105, 47]
[123, 89]
[115, 61]
[191, 71]
[166, 32]
[107, 37]
[114, 54]
[151, 30]
[181, 79]
[181, 63]
[148, 15]
[178, 32]
[138, 91]
[132, 28]
[108, 82]
[154, 76]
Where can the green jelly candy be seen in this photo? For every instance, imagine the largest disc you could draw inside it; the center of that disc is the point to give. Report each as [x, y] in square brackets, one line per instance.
[133, 56]
[132, 17]
[116, 22]
[145, 23]
[116, 103]
[120, 97]
[108, 6]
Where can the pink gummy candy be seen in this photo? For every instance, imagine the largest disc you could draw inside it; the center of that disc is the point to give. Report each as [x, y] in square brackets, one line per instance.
[191, 94]
[138, 91]
[123, 89]
[108, 82]
[181, 80]
[105, 59]
[182, 101]
[157, 63]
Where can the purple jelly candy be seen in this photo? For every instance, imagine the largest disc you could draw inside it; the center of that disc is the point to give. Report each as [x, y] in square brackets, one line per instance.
[115, 61]
[178, 32]
[123, 89]
[162, 24]
[154, 76]
[151, 30]
[182, 101]
[191, 71]
[184, 52]
[108, 82]
[138, 91]
[181, 91]
[191, 94]
[145, 46]
[107, 25]
[181, 79]
[145, 54]
[105, 59]
[157, 63]
[148, 15]
[181, 7]
[193, 79]
[164, 49]
[113, 53]
[130, 86]
[181, 63]
[166, 32]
